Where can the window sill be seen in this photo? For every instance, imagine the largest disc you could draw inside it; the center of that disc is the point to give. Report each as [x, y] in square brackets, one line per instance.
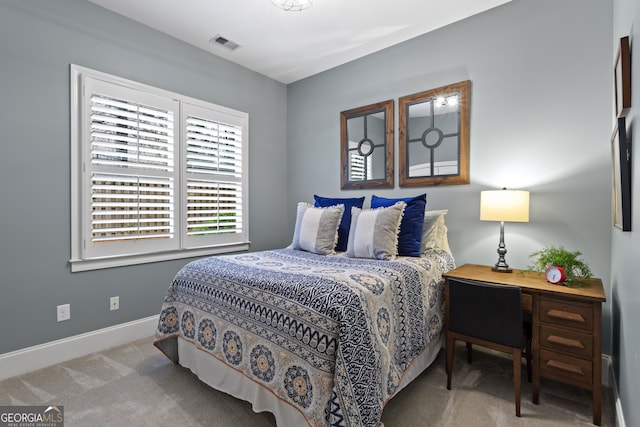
[100, 263]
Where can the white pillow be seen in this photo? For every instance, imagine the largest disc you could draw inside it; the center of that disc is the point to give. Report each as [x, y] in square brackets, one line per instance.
[317, 228]
[374, 232]
[434, 231]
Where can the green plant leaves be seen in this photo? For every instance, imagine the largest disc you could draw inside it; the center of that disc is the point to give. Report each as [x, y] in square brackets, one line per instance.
[575, 268]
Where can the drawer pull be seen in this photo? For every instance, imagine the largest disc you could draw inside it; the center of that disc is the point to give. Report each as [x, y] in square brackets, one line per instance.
[564, 315]
[565, 367]
[567, 342]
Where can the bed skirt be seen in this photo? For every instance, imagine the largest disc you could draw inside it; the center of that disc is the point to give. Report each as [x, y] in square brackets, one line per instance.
[220, 376]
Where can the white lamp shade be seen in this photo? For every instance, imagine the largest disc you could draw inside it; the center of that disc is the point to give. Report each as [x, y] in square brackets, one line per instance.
[504, 205]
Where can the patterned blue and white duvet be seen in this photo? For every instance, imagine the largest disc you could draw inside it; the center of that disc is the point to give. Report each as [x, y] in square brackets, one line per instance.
[330, 335]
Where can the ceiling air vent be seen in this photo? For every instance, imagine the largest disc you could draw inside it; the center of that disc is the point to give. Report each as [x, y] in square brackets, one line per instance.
[222, 41]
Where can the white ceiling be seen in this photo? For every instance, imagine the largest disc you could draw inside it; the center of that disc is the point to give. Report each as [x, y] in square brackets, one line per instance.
[289, 46]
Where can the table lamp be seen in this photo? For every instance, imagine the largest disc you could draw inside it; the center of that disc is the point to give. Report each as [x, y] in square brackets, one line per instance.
[504, 205]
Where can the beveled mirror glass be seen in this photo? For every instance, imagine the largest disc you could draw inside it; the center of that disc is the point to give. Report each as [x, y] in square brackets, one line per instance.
[366, 146]
[434, 136]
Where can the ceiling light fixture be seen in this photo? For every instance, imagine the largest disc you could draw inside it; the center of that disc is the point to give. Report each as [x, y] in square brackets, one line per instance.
[292, 5]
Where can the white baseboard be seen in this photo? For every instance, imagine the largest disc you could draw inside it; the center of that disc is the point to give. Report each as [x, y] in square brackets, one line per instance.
[609, 380]
[47, 354]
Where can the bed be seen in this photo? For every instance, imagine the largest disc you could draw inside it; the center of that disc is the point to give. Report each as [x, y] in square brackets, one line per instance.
[319, 339]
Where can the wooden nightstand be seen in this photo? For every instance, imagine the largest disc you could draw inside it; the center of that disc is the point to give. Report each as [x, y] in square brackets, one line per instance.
[566, 327]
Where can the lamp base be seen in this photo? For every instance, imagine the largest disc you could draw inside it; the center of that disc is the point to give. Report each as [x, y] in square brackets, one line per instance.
[501, 266]
[504, 268]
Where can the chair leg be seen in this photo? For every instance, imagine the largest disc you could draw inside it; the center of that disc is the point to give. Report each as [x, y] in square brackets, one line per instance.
[451, 342]
[517, 366]
[469, 352]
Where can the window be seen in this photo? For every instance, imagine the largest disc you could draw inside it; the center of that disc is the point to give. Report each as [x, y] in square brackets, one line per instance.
[156, 175]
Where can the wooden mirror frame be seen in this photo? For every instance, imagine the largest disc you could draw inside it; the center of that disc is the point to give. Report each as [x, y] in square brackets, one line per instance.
[385, 107]
[464, 102]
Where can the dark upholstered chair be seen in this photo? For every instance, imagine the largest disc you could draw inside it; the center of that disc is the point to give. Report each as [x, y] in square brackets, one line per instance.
[491, 316]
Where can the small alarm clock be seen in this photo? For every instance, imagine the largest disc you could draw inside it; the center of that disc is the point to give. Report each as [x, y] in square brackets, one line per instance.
[555, 274]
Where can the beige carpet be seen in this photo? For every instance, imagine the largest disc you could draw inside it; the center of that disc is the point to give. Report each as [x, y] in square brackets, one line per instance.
[136, 385]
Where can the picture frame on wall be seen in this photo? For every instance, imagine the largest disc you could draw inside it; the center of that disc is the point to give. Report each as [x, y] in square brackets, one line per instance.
[366, 145]
[622, 78]
[621, 157]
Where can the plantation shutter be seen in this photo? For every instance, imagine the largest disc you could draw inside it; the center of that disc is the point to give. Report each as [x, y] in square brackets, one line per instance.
[155, 175]
[356, 167]
[131, 169]
[215, 157]
[360, 167]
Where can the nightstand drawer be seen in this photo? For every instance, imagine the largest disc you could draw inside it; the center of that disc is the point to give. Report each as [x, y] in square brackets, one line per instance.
[565, 368]
[570, 314]
[567, 341]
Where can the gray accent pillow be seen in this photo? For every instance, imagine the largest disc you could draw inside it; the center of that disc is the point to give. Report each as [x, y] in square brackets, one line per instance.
[434, 232]
[317, 228]
[374, 232]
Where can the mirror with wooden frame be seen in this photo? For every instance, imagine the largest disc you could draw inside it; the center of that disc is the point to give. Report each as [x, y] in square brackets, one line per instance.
[366, 146]
[434, 136]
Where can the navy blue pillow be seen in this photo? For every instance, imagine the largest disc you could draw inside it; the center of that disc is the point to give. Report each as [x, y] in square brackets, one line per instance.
[410, 236]
[345, 224]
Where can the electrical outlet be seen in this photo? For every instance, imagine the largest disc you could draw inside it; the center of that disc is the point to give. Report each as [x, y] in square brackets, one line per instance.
[114, 303]
[64, 312]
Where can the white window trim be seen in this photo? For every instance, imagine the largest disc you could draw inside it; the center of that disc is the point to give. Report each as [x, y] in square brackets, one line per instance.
[79, 261]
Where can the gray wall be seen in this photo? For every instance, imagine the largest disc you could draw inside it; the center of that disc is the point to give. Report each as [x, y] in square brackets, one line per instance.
[38, 41]
[625, 269]
[541, 100]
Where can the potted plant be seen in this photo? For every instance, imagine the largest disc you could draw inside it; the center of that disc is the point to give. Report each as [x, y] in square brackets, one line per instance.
[574, 268]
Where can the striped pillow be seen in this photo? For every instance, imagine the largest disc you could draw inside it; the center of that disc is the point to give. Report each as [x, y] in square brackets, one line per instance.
[317, 228]
[374, 232]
